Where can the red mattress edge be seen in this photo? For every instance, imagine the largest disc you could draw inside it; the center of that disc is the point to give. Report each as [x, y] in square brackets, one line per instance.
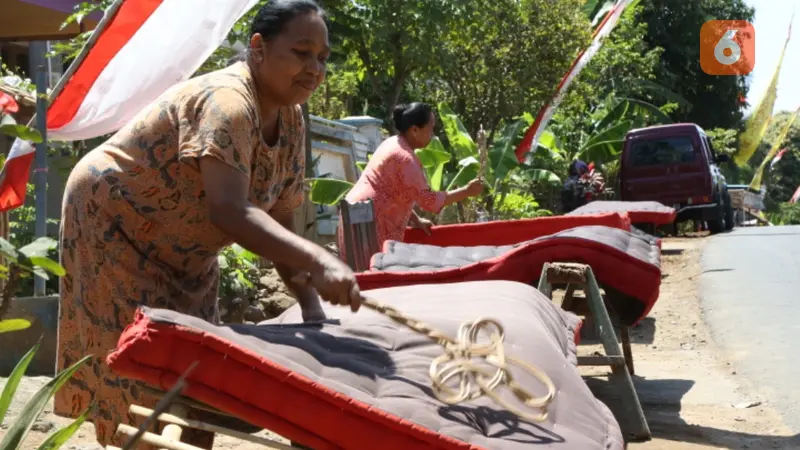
[372, 279]
[471, 234]
[133, 345]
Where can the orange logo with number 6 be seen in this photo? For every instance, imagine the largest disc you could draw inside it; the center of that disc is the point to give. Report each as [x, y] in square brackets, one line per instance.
[727, 47]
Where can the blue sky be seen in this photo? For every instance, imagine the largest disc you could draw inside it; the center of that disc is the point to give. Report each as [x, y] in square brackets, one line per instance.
[771, 23]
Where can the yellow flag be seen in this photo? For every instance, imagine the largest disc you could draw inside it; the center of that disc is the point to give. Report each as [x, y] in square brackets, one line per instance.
[757, 123]
[776, 144]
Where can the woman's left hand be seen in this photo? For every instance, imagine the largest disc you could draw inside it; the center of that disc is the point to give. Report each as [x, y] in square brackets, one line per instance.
[423, 224]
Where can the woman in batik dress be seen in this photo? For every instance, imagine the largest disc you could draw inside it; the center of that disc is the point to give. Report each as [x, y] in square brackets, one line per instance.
[217, 159]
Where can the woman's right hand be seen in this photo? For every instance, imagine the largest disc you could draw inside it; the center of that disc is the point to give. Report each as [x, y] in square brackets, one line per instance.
[475, 187]
[335, 282]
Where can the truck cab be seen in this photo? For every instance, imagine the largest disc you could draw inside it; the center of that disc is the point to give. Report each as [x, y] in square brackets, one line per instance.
[676, 165]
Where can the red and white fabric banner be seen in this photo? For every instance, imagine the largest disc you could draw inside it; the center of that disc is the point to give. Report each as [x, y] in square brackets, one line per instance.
[14, 178]
[143, 48]
[546, 113]
[777, 158]
[795, 196]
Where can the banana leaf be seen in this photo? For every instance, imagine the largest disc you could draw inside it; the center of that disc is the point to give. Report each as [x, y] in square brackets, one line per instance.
[634, 111]
[457, 135]
[605, 145]
[540, 175]
[433, 159]
[549, 144]
[467, 171]
[502, 154]
[13, 381]
[328, 191]
[19, 429]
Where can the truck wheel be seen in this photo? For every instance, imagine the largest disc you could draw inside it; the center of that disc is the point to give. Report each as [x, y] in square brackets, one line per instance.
[717, 224]
[729, 219]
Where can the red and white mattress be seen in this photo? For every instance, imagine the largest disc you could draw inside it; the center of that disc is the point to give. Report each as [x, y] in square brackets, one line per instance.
[361, 382]
[623, 262]
[647, 212]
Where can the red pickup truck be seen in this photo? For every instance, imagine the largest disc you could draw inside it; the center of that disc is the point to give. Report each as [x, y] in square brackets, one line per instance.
[677, 166]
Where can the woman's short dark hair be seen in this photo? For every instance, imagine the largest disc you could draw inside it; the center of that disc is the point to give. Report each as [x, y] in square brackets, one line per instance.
[275, 14]
[415, 114]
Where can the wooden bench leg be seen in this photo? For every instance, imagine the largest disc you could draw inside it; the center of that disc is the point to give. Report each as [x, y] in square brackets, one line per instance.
[637, 427]
[619, 358]
[626, 348]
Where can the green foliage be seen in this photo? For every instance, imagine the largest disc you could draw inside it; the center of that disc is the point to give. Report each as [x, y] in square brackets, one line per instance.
[9, 127]
[713, 102]
[433, 159]
[22, 223]
[502, 165]
[385, 42]
[69, 49]
[495, 59]
[338, 95]
[787, 214]
[238, 271]
[520, 205]
[328, 191]
[783, 179]
[724, 141]
[623, 68]
[18, 430]
[32, 258]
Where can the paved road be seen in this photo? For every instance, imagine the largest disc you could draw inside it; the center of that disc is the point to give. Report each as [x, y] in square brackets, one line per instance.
[750, 288]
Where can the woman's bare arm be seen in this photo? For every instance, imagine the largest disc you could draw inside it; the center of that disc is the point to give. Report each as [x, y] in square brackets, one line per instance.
[230, 211]
[457, 195]
[306, 295]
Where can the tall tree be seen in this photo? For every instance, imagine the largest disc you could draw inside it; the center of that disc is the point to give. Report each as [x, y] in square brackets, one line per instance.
[392, 39]
[623, 67]
[497, 59]
[675, 26]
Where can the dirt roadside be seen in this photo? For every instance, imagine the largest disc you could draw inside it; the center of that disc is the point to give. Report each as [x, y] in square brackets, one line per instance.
[692, 396]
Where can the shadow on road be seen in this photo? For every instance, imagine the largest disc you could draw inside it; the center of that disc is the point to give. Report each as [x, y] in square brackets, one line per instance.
[661, 401]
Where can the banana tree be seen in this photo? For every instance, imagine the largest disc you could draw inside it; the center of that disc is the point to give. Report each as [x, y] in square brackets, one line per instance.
[603, 142]
[502, 162]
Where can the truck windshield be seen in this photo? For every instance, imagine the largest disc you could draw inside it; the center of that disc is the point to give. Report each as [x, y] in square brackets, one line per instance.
[656, 152]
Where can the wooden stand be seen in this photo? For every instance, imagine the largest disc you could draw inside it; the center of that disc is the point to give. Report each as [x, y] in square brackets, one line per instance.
[360, 236]
[580, 276]
[177, 419]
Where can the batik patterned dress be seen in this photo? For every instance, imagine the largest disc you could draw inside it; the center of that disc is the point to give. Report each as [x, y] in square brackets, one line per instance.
[135, 226]
[395, 181]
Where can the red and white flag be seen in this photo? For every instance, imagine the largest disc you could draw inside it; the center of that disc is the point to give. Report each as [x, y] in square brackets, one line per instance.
[546, 113]
[777, 158]
[139, 49]
[795, 196]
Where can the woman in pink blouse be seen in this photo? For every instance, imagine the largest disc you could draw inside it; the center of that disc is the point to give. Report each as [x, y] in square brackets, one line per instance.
[395, 180]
